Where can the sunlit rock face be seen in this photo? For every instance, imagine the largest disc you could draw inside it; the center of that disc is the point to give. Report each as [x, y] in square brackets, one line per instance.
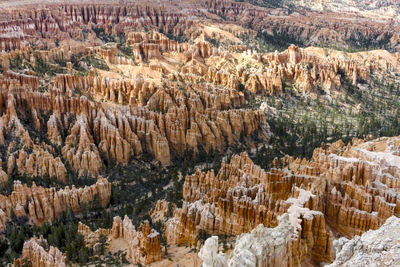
[36, 255]
[41, 204]
[142, 245]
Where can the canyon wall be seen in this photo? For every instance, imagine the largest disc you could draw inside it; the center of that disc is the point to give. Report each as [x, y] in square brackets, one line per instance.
[41, 204]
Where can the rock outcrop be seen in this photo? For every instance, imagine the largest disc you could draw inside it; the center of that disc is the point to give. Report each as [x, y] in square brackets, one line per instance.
[142, 245]
[374, 248]
[162, 211]
[44, 204]
[150, 118]
[209, 254]
[66, 22]
[189, 98]
[35, 254]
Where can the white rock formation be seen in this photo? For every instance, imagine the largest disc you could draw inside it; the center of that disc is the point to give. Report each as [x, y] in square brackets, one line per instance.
[264, 246]
[374, 248]
[209, 254]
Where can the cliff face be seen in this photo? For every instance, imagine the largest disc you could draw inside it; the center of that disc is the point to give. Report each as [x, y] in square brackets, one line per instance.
[44, 204]
[142, 245]
[372, 9]
[186, 121]
[34, 252]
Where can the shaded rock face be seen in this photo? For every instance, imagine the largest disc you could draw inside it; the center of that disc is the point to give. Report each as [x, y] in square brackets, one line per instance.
[143, 244]
[351, 188]
[34, 252]
[44, 204]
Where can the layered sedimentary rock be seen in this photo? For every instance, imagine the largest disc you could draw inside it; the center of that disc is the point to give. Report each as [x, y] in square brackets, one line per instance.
[272, 247]
[311, 28]
[349, 189]
[65, 22]
[37, 164]
[44, 204]
[242, 196]
[34, 254]
[142, 245]
[182, 93]
[155, 117]
[264, 247]
[305, 69]
[373, 8]
[361, 182]
[191, 100]
[181, 127]
[151, 45]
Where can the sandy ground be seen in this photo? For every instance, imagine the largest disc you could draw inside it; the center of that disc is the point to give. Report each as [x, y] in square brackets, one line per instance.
[181, 258]
[118, 244]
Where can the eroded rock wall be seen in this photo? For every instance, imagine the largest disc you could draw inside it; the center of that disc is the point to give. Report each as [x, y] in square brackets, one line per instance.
[142, 245]
[44, 204]
[34, 254]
